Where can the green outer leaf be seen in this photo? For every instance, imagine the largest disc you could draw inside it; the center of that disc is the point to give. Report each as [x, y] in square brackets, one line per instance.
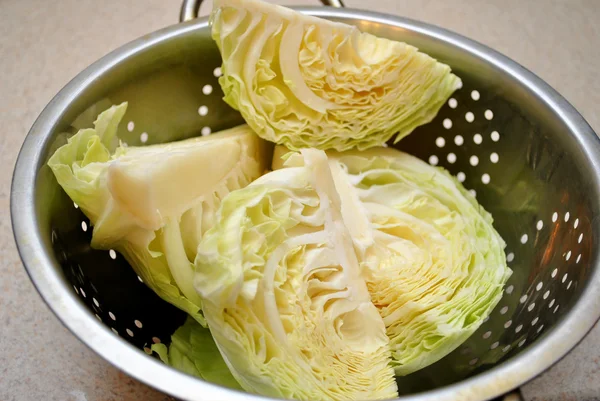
[87, 149]
[193, 351]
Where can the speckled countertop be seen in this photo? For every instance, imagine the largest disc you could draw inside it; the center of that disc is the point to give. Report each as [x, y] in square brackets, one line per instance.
[43, 44]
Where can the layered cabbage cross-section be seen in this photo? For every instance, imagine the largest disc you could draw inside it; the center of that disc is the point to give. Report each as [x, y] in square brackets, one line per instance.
[283, 293]
[303, 81]
[434, 264]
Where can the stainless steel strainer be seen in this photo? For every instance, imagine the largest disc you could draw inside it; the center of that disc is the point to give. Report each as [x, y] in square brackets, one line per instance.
[530, 158]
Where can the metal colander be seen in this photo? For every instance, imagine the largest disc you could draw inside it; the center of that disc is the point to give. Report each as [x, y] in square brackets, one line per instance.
[529, 157]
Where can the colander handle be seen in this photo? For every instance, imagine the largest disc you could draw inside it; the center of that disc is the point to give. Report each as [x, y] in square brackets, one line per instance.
[191, 8]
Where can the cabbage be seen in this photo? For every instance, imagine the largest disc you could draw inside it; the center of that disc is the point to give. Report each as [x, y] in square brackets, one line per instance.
[302, 81]
[283, 294]
[153, 203]
[193, 351]
[434, 264]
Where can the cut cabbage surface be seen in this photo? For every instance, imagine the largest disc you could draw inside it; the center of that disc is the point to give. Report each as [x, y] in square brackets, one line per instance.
[153, 203]
[283, 293]
[434, 264]
[303, 81]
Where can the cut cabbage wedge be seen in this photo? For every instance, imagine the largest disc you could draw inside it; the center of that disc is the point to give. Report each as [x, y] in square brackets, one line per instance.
[283, 294]
[153, 203]
[434, 264]
[303, 81]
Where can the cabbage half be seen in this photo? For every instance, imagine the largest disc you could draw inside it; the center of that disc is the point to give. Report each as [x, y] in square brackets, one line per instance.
[193, 351]
[302, 81]
[434, 264]
[154, 203]
[283, 294]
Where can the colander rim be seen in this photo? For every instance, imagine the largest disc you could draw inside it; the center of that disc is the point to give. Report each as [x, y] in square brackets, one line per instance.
[36, 253]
